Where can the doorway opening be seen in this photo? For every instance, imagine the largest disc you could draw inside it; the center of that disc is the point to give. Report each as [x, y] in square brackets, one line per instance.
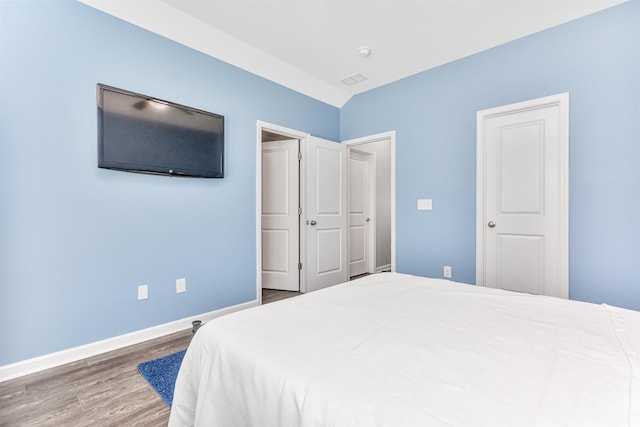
[309, 225]
[278, 228]
[379, 157]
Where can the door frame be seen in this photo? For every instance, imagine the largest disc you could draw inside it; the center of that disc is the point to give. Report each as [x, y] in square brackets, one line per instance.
[371, 208]
[303, 137]
[562, 101]
[293, 134]
[391, 136]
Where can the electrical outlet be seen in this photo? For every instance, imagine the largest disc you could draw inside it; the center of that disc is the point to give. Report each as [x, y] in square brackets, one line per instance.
[181, 285]
[447, 272]
[143, 292]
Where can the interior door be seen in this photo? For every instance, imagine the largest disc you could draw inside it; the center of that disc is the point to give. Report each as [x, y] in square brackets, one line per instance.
[361, 252]
[280, 215]
[325, 262]
[524, 230]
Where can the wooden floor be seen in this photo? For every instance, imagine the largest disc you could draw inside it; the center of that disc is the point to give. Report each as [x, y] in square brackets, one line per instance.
[104, 390]
[271, 295]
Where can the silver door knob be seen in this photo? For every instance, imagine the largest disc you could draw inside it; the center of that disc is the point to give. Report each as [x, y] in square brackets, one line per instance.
[368, 219]
[313, 222]
[491, 224]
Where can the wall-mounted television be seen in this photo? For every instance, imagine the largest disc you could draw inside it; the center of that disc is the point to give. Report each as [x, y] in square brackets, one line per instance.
[138, 133]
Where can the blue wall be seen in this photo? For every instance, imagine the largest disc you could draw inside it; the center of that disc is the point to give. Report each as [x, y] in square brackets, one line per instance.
[76, 241]
[597, 60]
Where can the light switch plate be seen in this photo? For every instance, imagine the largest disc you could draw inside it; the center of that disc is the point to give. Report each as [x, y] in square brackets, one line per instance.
[425, 204]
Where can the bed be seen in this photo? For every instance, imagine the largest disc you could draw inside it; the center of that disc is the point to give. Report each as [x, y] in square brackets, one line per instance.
[399, 350]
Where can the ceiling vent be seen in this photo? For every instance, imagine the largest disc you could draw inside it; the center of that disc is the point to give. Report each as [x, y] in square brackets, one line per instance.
[354, 79]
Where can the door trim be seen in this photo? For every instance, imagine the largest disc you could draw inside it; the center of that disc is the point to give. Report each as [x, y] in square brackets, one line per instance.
[391, 136]
[293, 134]
[562, 101]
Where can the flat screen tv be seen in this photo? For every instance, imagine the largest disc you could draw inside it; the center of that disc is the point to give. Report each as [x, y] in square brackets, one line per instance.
[138, 133]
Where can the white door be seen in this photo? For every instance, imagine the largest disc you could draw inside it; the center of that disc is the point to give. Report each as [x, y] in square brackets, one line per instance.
[523, 203]
[325, 260]
[280, 219]
[361, 250]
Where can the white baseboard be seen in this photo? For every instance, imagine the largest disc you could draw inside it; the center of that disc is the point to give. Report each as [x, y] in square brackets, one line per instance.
[383, 268]
[58, 358]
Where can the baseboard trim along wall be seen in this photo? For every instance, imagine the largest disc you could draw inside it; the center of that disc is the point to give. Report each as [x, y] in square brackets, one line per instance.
[383, 268]
[37, 364]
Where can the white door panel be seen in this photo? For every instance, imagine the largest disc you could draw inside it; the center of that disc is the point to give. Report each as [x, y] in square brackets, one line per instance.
[275, 257]
[357, 248]
[516, 197]
[521, 263]
[522, 224]
[325, 261]
[280, 220]
[329, 251]
[521, 164]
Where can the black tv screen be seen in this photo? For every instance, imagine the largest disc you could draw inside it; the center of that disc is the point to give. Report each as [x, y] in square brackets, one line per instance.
[138, 133]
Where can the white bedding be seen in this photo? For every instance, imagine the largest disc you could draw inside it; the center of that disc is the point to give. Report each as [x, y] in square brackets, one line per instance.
[399, 350]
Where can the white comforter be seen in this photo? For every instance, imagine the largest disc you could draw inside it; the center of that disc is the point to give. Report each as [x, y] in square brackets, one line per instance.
[399, 350]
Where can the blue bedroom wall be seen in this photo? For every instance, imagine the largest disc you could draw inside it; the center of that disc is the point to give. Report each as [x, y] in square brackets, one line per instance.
[597, 60]
[76, 241]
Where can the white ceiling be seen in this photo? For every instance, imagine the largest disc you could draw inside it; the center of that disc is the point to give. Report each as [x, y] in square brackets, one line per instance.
[310, 45]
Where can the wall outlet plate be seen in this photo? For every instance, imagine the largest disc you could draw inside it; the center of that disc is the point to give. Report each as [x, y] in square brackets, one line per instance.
[181, 285]
[447, 272]
[143, 292]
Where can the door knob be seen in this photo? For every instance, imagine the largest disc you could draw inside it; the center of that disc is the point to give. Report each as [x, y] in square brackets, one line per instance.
[368, 219]
[491, 224]
[313, 222]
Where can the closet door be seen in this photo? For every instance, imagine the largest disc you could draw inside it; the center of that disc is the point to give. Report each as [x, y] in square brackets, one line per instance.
[326, 214]
[523, 206]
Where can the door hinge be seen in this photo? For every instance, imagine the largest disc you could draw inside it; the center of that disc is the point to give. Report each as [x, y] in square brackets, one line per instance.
[299, 266]
[299, 156]
[299, 211]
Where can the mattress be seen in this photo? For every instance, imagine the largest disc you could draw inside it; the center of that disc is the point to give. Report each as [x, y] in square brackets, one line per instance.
[399, 350]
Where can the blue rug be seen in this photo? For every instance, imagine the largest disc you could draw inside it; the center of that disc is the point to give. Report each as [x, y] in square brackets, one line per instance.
[161, 374]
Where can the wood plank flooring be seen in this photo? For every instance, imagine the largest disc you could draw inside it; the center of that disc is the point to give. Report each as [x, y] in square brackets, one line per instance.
[105, 390]
[271, 295]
